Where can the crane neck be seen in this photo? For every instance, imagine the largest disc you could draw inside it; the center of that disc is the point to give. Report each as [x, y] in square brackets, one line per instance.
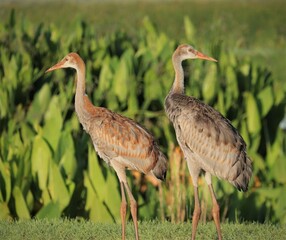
[80, 88]
[178, 85]
[80, 78]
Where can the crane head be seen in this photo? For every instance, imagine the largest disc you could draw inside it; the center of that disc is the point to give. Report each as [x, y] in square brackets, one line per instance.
[186, 51]
[69, 61]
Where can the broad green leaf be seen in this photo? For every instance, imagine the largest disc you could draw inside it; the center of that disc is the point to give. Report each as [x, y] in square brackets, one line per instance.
[133, 101]
[50, 211]
[278, 170]
[149, 27]
[20, 204]
[112, 196]
[99, 212]
[105, 79]
[53, 123]
[4, 211]
[122, 77]
[275, 150]
[231, 83]
[39, 105]
[244, 132]
[190, 30]
[41, 156]
[94, 205]
[265, 100]
[95, 174]
[90, 191]
[253, 116]
[69, 164]
[5, 183]
[121, 81]
[57, 186]
[210, 83]
[281, 207]
[221, 104]
[152, 87]
[4, 106]
[66, 155]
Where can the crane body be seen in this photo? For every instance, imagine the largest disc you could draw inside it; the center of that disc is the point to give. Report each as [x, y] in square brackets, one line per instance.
[118, 140]
[210, 144]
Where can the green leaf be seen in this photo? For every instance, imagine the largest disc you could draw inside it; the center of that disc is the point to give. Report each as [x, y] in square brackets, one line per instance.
[231, 81]
[20, 204]
[265, 100]
[66, 154]
[253, 116]
[39, 105]
[5, 183]
[4, 211]
[95, 173]
[278, 170]
[53, 123]
[105, 79]
[122, 79]
[57, 186]
[190, 30]
[112, 195]
[50, 211]
[152, 89]
[210, 84]
[41, 156]
[94, 205]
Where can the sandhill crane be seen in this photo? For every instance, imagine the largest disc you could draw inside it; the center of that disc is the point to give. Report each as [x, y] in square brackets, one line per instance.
[118, 140]
[208, 140]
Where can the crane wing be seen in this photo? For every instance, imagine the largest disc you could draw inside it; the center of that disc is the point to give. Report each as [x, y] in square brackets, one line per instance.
[118, 137]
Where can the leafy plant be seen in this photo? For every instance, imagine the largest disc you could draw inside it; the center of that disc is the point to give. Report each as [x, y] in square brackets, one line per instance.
[48, 167]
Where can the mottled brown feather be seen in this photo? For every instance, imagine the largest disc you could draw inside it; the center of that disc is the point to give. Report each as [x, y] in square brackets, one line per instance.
[115, 136]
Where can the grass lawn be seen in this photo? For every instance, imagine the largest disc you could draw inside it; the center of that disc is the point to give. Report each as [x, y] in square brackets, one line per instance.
[80, 229]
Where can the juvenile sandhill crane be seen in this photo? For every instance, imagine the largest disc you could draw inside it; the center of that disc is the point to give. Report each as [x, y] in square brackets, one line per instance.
[118, 140]
[208, 140]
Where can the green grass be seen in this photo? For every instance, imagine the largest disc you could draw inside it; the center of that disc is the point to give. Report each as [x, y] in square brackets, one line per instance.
[78, 229]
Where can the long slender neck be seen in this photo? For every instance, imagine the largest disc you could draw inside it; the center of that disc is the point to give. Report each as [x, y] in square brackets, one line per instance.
[80, 87]
[178, 85]
[80, 83]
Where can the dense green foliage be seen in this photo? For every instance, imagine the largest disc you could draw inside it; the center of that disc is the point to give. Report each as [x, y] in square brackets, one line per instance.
[48, 167]
[73, 229]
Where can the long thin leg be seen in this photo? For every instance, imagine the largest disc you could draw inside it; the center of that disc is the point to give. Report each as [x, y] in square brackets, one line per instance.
[123, 209]
[133, 206]
[196, 214]
[215, 212]
[120, 171]
[194, 172]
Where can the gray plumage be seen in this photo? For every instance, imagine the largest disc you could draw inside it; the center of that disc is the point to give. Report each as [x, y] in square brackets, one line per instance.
[208, 140]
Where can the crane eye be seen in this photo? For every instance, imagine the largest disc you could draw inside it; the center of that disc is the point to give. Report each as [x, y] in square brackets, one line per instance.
[191, 50]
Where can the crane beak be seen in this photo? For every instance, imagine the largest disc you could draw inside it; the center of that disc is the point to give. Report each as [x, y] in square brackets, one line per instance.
[56, 66]
[205, 57]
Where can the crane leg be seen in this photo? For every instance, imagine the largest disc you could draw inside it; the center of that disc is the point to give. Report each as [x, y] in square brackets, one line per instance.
[194, 172]
[123, 209]
[133, 207]
[215, 212]
[196, 213]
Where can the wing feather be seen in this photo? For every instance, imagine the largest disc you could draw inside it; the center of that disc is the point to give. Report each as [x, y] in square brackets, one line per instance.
[118, 137]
